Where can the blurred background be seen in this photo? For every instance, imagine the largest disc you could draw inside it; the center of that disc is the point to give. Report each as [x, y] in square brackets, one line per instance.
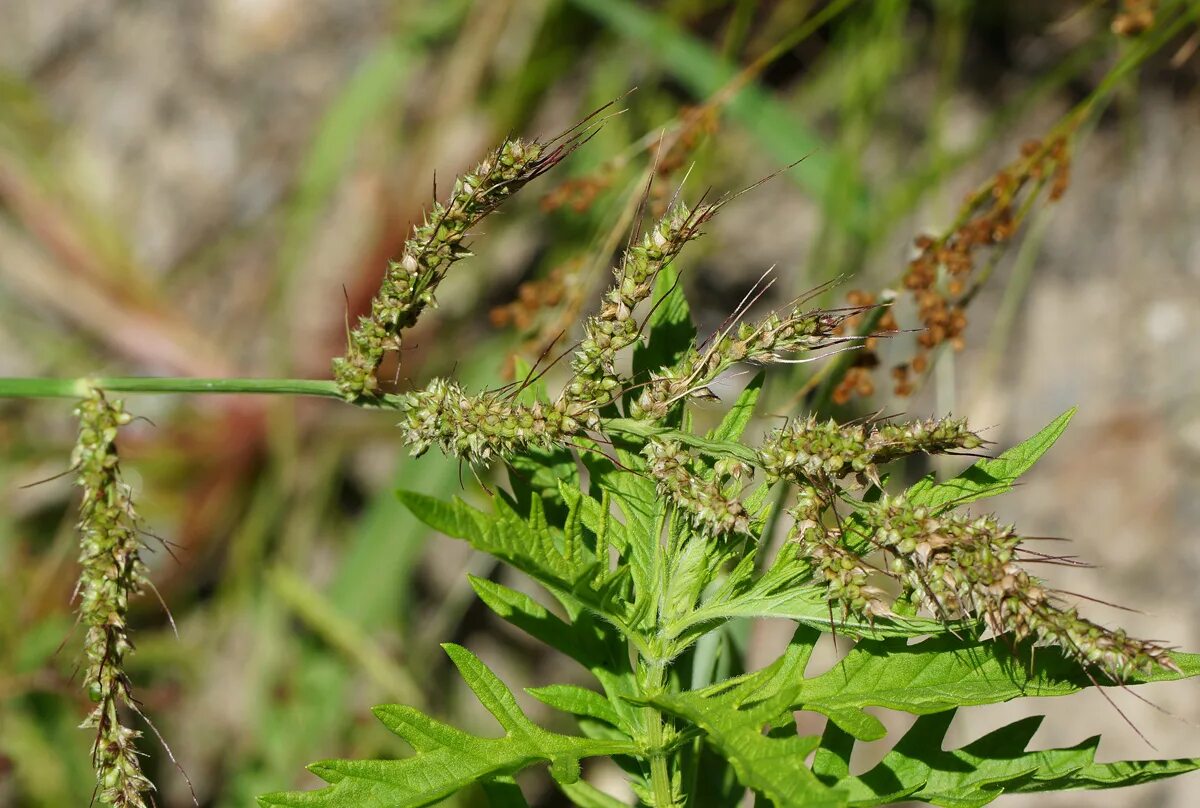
[211, 187]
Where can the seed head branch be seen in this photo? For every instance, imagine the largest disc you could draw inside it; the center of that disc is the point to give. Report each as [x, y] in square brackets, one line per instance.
[435, 245]
[112, 572]
[964, 566]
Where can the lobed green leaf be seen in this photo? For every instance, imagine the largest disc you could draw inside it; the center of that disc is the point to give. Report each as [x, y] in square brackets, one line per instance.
[446, 759]
[988, 478]
[976, 774]
[946, 672]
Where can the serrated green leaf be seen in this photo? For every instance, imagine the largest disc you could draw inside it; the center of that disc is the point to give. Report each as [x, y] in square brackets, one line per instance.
[572, 526]
[942, 673]
[446, 759]
[422, 733]
[691, 570]
[808, 605]
[996, 764]
[527, 543]
[987, 478]
[455, 518]
[734, 424]
[496, 698]
[1118, 774]
[577, 701]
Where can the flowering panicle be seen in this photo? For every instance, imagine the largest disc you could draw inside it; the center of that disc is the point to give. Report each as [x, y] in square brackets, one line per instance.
[409, 283]
[770, 340]
[112, 572]
[809, 449]
[938, 276]
[481, 427]
[959, 566]
[712, 502]
[614, 328]
[953, 565]
[846, 574]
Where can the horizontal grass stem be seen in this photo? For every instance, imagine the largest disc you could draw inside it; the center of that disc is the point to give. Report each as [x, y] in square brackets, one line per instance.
[77, 388]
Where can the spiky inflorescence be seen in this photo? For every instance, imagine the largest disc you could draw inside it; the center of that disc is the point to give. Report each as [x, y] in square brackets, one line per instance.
[707, 500]
[409, 283]
[950, 564]
[956, 566]
[481, 427]
[845, 573]
[773, 339]
[808, 449]
[892, 441]
[614, 328]
[112, 572]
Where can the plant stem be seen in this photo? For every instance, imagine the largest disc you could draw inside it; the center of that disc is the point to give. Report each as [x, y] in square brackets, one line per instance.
[76, 388]
[660, 776]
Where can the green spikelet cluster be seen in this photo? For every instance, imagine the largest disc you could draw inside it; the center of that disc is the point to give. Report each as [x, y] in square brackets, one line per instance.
[615, 328]
[957, 566]
[480, 427]
[112, 572]
[892, 441]
[773, 339]
[811, 449]
[846, 574]
[711, 505]
[435, 245]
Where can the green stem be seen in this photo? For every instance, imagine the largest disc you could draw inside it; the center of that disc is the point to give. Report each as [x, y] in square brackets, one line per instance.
[76, 388]
[660, 775]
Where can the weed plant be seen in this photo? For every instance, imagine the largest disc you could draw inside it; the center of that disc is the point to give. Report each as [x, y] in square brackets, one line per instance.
[654, 543]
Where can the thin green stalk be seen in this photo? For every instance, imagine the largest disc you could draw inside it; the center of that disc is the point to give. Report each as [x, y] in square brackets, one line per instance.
[78, 388]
